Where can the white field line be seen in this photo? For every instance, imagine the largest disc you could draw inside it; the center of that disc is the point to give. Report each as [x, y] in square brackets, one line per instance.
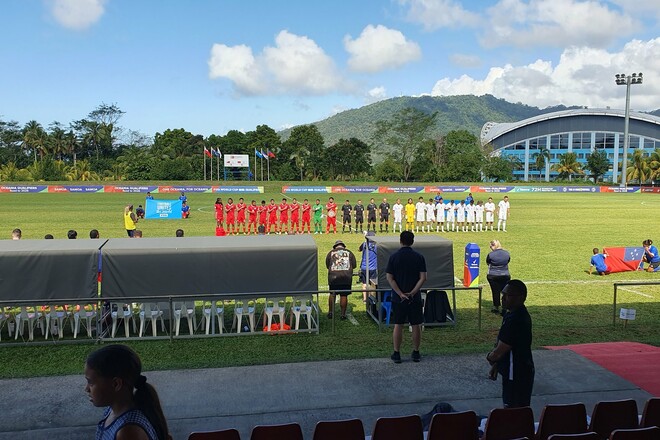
[637, 292]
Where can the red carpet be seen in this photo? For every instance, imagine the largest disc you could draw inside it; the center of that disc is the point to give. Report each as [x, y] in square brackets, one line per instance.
[635, 362]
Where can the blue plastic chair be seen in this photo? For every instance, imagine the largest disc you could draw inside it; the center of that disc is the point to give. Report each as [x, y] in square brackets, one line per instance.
[386, 305]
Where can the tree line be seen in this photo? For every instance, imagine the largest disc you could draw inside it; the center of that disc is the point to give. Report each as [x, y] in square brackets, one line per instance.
[97, 148]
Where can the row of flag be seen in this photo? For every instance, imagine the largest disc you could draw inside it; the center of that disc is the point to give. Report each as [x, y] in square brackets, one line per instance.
[212, 152]
[261, 155]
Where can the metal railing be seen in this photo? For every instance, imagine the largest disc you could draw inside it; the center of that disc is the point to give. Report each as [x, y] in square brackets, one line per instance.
[616, 288]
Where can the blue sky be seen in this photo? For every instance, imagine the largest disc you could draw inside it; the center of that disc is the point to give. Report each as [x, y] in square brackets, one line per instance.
[210, 66]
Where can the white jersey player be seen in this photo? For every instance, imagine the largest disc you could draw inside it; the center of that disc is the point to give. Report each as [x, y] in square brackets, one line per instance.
[503, 213]
[489, 209]
[420, 213]
[451, 215]
[440, 215]
[460, 216]
[470, 210]
[430, 215]
[479, 216]
[397, 209]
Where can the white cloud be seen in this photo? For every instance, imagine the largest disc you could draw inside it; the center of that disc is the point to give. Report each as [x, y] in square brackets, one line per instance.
[379, 48]
[435, 14]
[462, 60]
[376, 94]
[296, 64]
[77, 14]
[557, 23]
[635, 7]
[583, 76]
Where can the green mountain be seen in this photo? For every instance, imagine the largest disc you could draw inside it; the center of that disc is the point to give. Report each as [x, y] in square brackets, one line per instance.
[466, 112]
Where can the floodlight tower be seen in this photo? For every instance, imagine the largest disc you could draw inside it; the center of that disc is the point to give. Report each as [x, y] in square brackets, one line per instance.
[626, 80]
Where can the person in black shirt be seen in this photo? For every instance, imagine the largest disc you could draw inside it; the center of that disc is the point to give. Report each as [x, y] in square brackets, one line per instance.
[346, 209]
[340, 263]
[384, 215]
[512, 355]
[371, 215]
[359, 216]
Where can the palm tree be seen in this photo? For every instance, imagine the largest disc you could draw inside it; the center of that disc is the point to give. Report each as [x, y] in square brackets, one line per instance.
[9, 172]
[654, 164]
[638, 167]
[300, 157]
[72, 145]
[540, 160]
[34, 138]
[568, 165]
[81, 172]
[57, 142]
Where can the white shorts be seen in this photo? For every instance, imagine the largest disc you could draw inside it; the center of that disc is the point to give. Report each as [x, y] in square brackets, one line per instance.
[430, 218]
[470, 218]
[490, 217]
[502, 216]
[421, 217]
[397, 218]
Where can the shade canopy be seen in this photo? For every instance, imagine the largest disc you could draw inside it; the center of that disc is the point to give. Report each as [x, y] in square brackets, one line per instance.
[49, 269]
[209, 265]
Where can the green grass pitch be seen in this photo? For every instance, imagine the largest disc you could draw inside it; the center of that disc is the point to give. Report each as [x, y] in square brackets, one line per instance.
[550, 237]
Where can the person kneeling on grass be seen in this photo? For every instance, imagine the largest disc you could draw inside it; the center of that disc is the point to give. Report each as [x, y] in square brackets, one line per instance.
[185, 210]
[651, 256]
[598, 262]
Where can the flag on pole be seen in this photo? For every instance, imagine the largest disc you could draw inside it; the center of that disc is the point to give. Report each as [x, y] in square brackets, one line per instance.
[271, 154]
[264, 155]
[217, 152]
[258, 154]
[207, 152]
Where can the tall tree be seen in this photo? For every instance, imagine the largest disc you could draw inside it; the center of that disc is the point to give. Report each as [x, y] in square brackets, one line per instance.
[34, 138]
[638, 167]
[306, 142]
[654, 165]
[348, 158]
[567, 166]
[461, 157]
[597, 164]
[541, 160]
[404, 135]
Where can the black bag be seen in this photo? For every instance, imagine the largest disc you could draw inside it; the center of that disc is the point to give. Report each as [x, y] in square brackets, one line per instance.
[437, 308]
[439, 408]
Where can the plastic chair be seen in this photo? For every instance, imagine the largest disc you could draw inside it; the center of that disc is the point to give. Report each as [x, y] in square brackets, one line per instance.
[4, 319]
[583, 436]
[650, 415]
[509, 423]
[386, 305]
[339, 429]
[243, 307]
[81, 311]
[454, 426]
[152, 312]
[183, 309]
[213, 310]
[55, 316]
[398, 428]
[614, 414]
[226, 434]
[32, 317]
[650, 433]
[562, 419]
[121, 311]
[303, 305]
[275, 306]
[289, 431]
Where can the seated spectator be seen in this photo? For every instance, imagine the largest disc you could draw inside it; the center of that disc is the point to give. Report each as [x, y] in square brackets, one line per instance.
[72, 234]
[185, 210]
[48, 237]
[94, 233]
[179, 233]
[139, 211]
[137, 233]
[16, 234]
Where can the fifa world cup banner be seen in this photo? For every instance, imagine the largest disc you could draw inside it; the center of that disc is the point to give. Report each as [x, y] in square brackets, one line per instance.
[162, 209]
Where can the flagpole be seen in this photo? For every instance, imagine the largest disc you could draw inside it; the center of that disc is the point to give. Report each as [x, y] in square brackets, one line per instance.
[219, 156]
[204, 154]
[268, 166]
[262, 167]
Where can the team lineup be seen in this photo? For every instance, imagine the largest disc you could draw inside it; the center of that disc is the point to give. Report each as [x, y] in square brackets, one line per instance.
[292, 217]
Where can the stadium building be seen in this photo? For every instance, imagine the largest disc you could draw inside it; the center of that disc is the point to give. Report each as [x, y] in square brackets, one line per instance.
[580, 131]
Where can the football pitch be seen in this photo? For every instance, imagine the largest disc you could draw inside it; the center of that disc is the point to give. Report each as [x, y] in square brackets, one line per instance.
[550, 237]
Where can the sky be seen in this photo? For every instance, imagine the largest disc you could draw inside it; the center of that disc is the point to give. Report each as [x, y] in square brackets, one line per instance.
[210, 66]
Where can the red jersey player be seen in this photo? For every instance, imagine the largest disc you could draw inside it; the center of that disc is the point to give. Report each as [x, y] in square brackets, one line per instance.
[262, 211]
[283, 209]
[272, 217]
[331, 207]
[219, 212]
[230, 209]
[306, 216]
[240, 215]
[252, 210]
[294, 207]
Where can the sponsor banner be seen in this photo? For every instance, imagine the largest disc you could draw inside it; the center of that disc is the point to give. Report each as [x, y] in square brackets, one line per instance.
[129, 189]
[471, 265]
[616, 189]
[237, 160]
[446, 189]
[579, 189]
[651, 190]
[535, 189]
[306, 189]
[162, 209]
[178, 189]
[75, 188]
[238, 189]
[491, 189]
[401, 189]
[23, 188]
[353, 189]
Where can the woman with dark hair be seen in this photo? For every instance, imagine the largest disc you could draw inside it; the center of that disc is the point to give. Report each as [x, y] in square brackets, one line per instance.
[651, 256]
[114, 380]
[498, 272]
[219, 212]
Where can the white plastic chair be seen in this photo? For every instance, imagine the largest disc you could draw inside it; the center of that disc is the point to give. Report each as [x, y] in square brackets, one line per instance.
[303, 305]
[275, 306]
[32, 317]
[244, 307]
[121, 311]
[182, 309]
[55, 316]
[82, 311]
[213, 310]
[152, 312]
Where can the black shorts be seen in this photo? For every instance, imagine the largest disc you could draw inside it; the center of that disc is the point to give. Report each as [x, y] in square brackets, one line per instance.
[346, 219]
[371, 218]
[517, 393]
[407, 312]
[655, 265]
[384, 217]
[335, 287]
[359, 220]
[363, 276]
[130, 232]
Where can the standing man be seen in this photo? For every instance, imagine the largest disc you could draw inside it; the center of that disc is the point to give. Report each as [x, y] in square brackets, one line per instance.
[503, 213]
[294, 209]
[489, 208]
[283, 209]
[340, 263]
[371, 215]
[240, 216]
[306, 216]
[397, 209]
[384, 215]
[272, 217]
[359, 216]
[420, 213]
[512, 355]
[182, 197]
[331, 208]
[346, 216]
[253, 211]
[230, 211]
[130, 220]
[406, 273]
[317, 210]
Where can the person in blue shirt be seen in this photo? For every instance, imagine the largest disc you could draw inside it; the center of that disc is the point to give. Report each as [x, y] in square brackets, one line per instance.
[185, 210]
[468, 199]
[598, 262]
[651, 256]
[368, 250]
[149, 196]
[183, 197]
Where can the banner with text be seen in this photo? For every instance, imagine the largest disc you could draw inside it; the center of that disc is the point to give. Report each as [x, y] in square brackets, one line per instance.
[162, 209]
[237, 160]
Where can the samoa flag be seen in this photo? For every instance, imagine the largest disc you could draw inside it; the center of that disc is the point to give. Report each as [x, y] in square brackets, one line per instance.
[623, 259]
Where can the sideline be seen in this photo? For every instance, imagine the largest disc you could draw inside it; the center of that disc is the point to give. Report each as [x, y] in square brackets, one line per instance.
[636, 292]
